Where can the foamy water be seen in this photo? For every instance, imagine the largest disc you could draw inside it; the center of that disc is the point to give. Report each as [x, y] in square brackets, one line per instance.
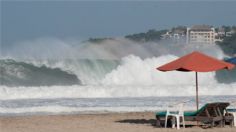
[113, 91]
[132, 84]
[100, 105]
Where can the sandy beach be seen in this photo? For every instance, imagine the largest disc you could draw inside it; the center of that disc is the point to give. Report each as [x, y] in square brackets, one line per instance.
[108, 122]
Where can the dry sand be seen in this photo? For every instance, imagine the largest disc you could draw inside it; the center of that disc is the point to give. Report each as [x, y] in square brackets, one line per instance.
[109, 122]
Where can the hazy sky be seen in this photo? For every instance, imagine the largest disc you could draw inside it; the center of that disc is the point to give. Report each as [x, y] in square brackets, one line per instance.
[27, 20]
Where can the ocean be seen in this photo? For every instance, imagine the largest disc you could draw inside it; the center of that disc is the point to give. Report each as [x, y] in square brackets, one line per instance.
[74, 86]
[54, 106]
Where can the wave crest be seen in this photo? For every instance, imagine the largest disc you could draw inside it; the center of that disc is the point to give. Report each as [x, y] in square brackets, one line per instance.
[14, 73]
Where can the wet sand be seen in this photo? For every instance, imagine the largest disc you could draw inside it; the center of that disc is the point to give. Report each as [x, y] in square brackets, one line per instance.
[108, 122]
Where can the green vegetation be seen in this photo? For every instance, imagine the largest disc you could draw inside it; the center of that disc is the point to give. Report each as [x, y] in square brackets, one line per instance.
[227, 28]
[228, 45]
[151, 35]
[98, 40]
[182, 29]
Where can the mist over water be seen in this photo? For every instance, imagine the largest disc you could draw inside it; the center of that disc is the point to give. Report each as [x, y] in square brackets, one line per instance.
[110, 68]
[109, 49]
[53, 76]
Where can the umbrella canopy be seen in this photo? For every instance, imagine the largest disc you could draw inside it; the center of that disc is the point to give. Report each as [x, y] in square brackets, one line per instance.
[231, 60]
[197, 62]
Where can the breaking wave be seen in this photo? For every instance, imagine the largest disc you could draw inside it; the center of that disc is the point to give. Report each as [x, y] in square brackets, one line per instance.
[14, 73]
[129, 77]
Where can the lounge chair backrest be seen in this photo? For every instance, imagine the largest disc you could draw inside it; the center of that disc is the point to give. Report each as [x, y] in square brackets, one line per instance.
[213, 109]
[222, 108]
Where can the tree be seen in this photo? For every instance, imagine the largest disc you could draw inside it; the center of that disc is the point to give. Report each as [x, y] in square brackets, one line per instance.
[150, 35]
[228, 45]
[227, 28]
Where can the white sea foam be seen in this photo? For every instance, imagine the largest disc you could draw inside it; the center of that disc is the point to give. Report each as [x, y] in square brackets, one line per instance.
[101, 105]
[113, 91]
[69, 110]
[134, 77]
[107, 70]
[55, 53]
[136, 71]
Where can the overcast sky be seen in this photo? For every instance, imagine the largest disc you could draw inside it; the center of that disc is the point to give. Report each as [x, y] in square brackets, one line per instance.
[27, 20]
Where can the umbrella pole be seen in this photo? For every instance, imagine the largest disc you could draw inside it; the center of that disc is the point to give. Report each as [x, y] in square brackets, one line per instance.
[197, 90]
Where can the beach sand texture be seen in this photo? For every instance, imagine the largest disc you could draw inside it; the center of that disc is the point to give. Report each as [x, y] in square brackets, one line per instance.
[108, 122]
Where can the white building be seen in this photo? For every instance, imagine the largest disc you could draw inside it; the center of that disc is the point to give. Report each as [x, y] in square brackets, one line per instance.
[229, 34]
[167, 35]
[221, 32]
[200, 34]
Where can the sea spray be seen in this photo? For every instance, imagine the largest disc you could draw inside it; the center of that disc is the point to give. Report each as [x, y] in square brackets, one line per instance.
[129, 84]
[88, 71]
[112, 68]
[108, 49]
[142, 72]
[134, 77]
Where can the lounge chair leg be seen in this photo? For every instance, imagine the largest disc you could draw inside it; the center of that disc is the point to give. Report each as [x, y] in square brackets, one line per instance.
[231, 123]
[221, 123]
[158, 121]
[224, 123]
[166, 121]
[178, 121]
[183, 122]
[212, 124]
[173, 120]
[158, 124]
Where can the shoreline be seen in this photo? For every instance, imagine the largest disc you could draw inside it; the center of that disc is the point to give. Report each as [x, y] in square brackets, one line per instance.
[100, 105]
[99, 122]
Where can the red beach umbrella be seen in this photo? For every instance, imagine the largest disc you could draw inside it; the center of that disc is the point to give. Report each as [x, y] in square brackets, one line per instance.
[197, 62]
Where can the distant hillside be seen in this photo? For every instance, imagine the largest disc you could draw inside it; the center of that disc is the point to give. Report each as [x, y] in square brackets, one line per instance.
[228, 45]
[151, 35]
[98, 40]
